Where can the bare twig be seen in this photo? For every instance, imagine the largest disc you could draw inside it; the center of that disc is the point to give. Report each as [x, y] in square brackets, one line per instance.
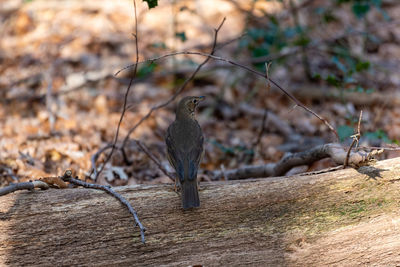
[355, 140]
[281, 54]
[281, 126]
[359, 123]
[230, 41]
[94, 158]
[8, 172]
[151, 60]
[224, 177]
[154, 159]
[287, 93]
[67, 177]
[267, 65]
[265, 116]
[177, 92]
[172, 98]
[23, 186]
[262, 129]
[135, 34]
[346, 159]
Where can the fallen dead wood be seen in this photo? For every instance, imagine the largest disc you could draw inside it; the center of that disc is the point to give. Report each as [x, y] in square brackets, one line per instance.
[346, 217]
[336, 152]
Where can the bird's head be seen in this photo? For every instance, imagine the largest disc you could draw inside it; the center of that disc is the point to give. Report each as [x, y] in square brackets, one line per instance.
[187, 106]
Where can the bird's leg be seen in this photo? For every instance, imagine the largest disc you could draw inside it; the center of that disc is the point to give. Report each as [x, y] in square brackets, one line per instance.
[198, 185]
[176, 185]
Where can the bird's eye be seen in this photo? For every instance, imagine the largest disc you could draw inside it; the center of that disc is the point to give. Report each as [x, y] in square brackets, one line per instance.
[195, 101]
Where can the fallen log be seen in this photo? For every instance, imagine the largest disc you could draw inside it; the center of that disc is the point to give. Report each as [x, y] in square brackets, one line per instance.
[345, 217]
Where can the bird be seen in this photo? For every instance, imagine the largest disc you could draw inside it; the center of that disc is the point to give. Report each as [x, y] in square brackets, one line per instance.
[184, 140]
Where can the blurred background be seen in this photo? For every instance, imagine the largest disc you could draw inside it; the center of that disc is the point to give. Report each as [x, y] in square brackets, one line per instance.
[61, 102]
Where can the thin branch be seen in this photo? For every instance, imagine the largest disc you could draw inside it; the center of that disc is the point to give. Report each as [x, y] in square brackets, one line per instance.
[262, 129]
[135, 35]
[359, 123]
[154, 159]
[94, 158]
[355, 140]
[231, 41]
[23, 186]
[224, 177]
[9, 172]
[67, 177]
[172, 98]
[183, 86]
[267, 66]
[288, 94]
[265, 116]
[281, 126]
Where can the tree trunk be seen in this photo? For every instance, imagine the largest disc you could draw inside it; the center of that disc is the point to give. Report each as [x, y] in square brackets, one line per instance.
[347, 217]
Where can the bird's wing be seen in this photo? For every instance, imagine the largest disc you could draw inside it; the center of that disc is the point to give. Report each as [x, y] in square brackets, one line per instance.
[173, 155]
[184, 158]
[195, 155]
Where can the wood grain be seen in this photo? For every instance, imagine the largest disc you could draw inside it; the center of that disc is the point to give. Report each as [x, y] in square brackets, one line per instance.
[339, 218]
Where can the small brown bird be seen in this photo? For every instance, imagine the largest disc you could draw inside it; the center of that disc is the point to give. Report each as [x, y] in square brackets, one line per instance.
[185, 148]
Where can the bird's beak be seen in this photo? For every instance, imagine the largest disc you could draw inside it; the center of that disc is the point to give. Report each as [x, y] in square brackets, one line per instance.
[201, 98]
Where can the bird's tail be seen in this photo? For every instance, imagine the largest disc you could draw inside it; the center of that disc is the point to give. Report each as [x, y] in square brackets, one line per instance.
[190, 195]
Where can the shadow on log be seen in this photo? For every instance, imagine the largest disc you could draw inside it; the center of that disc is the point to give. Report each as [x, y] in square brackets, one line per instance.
[346, 217]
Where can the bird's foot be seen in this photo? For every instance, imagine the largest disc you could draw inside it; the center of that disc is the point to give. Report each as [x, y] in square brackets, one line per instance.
[176, 187]
[200, 188]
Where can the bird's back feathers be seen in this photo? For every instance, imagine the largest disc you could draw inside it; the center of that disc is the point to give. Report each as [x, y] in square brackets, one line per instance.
[185, 147]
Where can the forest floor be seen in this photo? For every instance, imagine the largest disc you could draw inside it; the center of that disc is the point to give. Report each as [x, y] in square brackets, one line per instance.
[61, 101]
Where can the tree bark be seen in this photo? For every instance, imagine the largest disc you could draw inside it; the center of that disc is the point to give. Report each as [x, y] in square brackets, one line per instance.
[344, 218]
